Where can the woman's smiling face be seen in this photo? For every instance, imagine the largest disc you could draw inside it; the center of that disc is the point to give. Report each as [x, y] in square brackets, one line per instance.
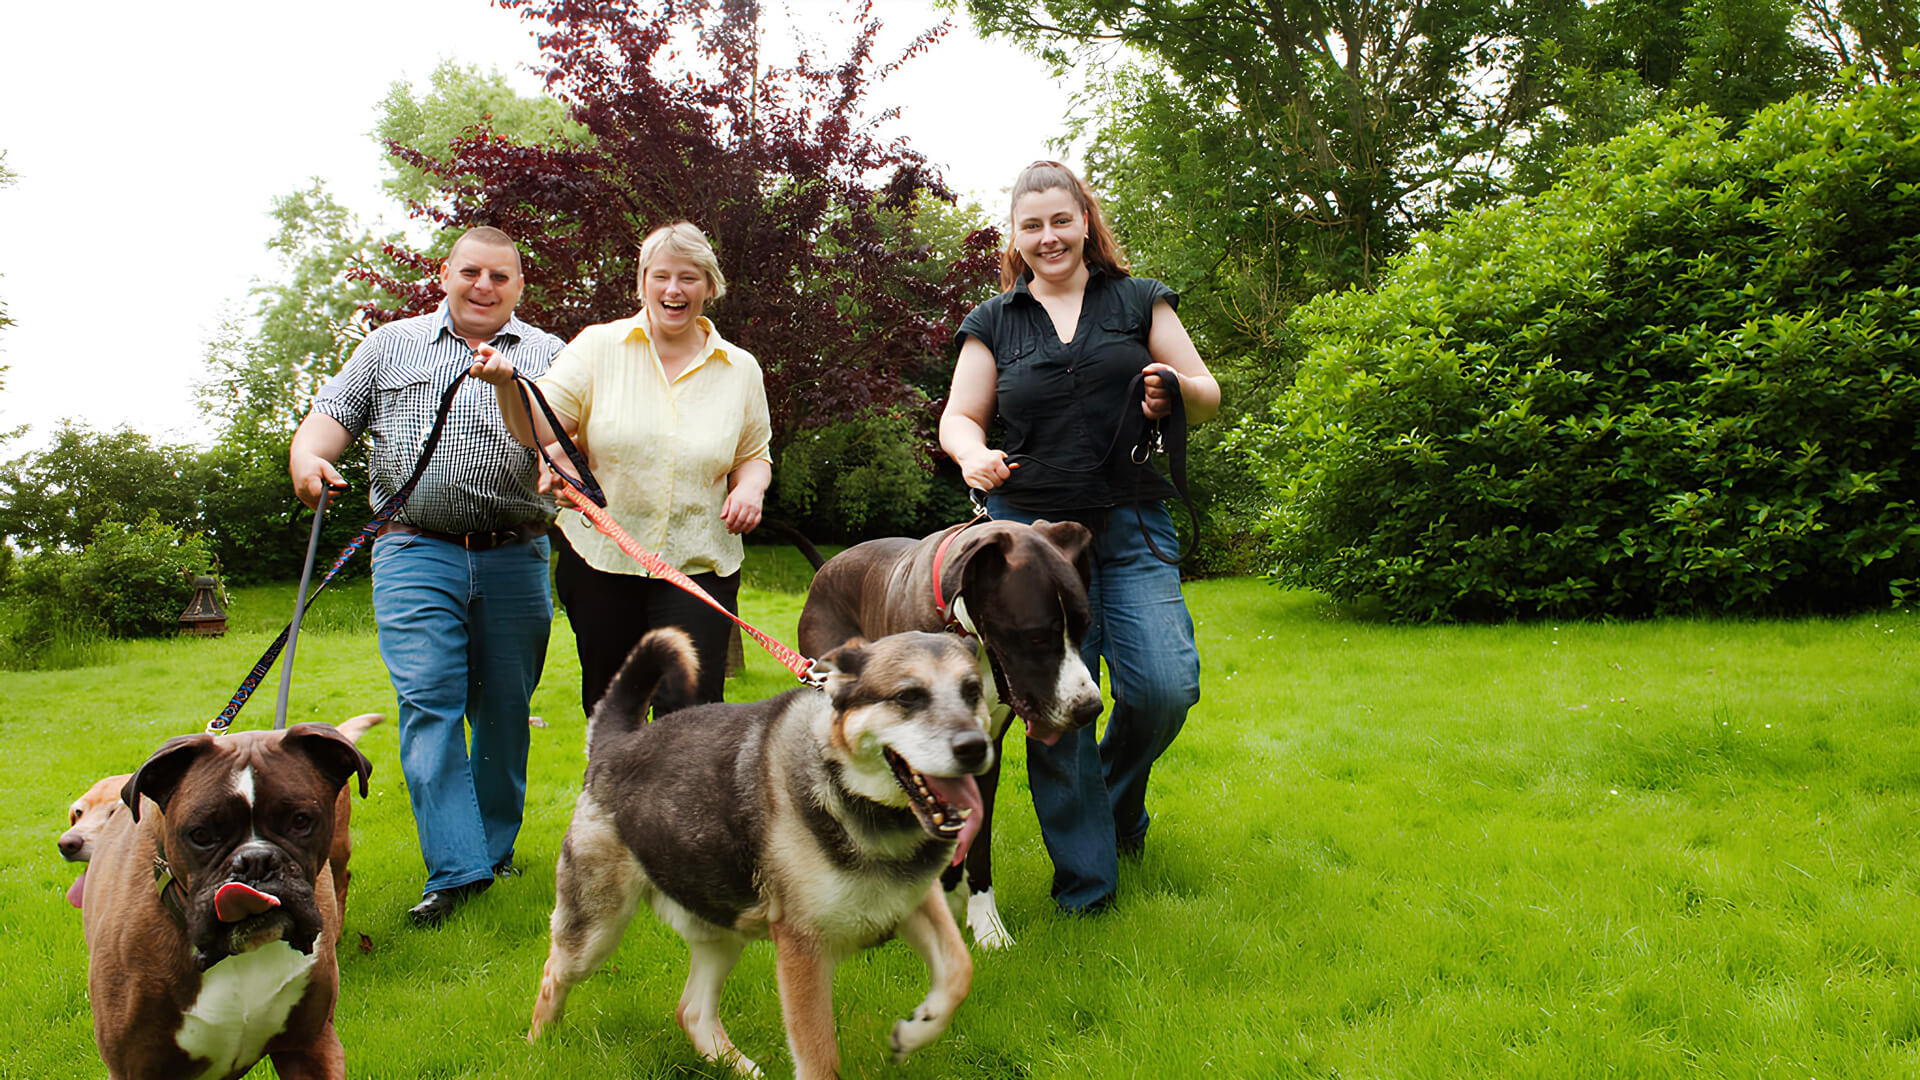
[674, 291]
[1050, 233]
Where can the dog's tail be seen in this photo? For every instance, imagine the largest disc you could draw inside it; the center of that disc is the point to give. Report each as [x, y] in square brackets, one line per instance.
[355, 726]
[664, 660]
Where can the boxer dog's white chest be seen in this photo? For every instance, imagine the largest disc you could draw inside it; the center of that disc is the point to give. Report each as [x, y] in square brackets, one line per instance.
[244, 1001]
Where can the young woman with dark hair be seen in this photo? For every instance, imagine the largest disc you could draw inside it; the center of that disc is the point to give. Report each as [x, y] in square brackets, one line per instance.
[1053, 359]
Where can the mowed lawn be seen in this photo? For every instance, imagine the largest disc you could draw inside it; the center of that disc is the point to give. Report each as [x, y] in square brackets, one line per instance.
[1678, 848]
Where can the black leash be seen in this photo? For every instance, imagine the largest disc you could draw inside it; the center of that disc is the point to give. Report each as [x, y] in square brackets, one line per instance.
[1168, 434]
[586, 482]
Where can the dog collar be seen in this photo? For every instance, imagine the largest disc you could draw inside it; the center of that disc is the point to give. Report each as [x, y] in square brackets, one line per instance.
[173, 895]
[940, 604]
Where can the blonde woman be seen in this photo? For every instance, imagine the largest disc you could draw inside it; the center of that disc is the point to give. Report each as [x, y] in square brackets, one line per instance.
[673, 418]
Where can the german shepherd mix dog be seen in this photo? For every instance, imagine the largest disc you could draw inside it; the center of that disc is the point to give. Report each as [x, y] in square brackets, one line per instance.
[819, 819]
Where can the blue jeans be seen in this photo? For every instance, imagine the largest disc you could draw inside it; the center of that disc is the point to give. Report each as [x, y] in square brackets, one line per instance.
[464, 636]
[1091, 798]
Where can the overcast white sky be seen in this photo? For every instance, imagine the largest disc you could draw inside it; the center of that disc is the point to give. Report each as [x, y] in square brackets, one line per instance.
[150, 140]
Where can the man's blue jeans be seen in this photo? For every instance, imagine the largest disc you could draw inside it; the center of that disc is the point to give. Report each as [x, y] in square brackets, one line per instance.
[464, 636]
[1092, 798]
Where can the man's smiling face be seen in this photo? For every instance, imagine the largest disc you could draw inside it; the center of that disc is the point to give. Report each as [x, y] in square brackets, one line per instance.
[483, 283]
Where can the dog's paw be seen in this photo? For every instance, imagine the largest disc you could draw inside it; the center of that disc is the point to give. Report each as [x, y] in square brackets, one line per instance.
[739, 1062]
[915, 1031]
[983, 918]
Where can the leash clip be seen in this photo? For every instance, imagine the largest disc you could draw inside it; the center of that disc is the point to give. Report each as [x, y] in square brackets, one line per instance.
[1155, 443]
[816, 675]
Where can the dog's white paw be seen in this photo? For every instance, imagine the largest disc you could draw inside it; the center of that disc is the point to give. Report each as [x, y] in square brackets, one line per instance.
[983, 918]
[915, 1032]
[740, 1062]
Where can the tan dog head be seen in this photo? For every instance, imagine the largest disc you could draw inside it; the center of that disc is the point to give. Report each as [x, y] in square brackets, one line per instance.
[910, 727]
[85, 818]
[88, 813]
[248, 824]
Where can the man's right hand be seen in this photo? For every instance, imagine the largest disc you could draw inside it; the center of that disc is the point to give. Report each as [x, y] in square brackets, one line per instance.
[311, 473]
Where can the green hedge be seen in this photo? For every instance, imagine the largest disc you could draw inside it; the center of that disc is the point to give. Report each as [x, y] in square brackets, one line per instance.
[1682, 380]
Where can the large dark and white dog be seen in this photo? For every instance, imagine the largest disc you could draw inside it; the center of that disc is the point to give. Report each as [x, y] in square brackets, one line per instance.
[1022, 590]
[818, 819]
[210, 913]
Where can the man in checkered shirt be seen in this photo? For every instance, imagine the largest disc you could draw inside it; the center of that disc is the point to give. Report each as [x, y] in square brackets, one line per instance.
[460, 574]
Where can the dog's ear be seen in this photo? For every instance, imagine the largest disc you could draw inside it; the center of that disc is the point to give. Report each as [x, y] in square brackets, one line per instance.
[162, 772]
[1075, 542]
[843, 667]
[331, 752]
[981, 563]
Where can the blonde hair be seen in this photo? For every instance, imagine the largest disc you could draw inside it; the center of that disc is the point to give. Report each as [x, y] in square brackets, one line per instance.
[1101, 250]
[683, 238]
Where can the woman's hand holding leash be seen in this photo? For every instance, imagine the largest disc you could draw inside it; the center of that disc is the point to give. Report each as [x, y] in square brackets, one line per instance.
[986, 468]
[1163, 385]
[490, 367]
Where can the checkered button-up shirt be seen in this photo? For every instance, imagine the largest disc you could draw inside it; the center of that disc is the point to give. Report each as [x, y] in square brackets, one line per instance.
[480, 479]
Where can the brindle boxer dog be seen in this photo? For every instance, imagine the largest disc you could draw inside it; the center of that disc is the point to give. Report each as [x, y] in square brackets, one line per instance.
[210, 918]
[101, 802]
[1022, 590]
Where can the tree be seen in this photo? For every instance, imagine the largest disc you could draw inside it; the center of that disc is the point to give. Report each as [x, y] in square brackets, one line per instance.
[260, 382]
[57, 497]
[460, 96]
[1363, 121]
[812, 214]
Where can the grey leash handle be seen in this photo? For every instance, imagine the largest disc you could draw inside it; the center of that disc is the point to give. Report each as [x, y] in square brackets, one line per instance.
[300, 608]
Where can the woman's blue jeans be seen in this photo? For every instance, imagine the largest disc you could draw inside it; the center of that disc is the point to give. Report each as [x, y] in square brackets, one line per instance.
[464, 636]
[1091, 798]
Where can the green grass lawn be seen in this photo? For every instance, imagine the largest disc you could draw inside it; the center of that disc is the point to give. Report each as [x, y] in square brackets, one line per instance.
[1675, 848]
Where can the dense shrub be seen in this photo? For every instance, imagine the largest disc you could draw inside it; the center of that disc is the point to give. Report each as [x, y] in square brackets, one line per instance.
[132, 581]
[854, 480]
[1681, 380]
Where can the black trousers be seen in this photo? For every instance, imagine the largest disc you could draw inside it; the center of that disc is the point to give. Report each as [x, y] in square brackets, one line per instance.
[610, 613]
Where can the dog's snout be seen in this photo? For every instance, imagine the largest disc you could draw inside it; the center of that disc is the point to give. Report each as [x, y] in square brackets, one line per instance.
[970, 749]
[253, 862]
[1085, 711]
[71, 846]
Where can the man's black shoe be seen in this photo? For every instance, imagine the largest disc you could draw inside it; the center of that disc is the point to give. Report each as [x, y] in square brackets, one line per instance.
[505, 868]
[438, 904]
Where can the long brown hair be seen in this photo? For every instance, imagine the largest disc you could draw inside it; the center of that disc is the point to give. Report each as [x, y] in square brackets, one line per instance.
[1101, 249]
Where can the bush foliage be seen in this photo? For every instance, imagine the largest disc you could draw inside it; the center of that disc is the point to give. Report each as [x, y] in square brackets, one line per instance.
[1681, 380]
[131, 581]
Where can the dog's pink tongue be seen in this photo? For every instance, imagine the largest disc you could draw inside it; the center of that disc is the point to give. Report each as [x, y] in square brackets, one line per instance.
[75, 890]
[235, 901]
[1048, 739]
[961, 793]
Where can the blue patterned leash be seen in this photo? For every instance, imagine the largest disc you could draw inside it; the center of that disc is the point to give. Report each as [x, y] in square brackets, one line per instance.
[219, 724]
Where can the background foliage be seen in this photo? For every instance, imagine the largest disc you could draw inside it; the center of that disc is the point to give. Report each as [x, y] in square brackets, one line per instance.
[1680, 380]
[1255, 157]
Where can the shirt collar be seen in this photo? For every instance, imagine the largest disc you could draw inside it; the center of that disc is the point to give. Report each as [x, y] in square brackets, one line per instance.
[640, 326]
[515, 330]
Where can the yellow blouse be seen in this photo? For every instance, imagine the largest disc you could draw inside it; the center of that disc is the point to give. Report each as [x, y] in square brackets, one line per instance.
[661, 449]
